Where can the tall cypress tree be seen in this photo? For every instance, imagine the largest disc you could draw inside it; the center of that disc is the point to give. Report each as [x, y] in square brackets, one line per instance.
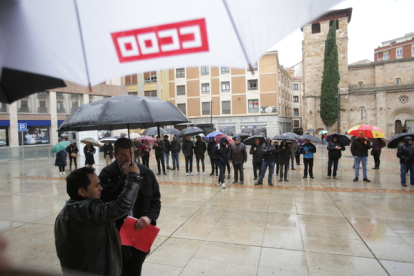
[330, 80]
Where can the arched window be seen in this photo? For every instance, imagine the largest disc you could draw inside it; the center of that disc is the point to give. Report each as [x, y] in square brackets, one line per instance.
[362, 110]
[360, 84]
[397, 81]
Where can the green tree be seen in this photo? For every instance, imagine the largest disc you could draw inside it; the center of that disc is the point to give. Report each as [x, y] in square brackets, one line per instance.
[330, 80]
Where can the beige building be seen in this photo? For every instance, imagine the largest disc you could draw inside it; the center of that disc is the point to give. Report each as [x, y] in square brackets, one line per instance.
[235, 100]
[148, 84]
[296, 72]
[377, 93]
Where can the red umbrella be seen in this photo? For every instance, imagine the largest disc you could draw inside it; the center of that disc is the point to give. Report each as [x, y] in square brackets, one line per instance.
[148, 138]
[218, 137]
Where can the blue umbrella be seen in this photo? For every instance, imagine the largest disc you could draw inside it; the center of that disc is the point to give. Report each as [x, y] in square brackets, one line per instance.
[213, 134]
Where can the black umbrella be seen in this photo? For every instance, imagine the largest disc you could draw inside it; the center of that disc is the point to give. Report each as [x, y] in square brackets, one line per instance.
[341, 138]
[190, 131]
[284, 137]
[153, 131]
[293, 134]
[395, 141]
[172, 131]
[15, 84]
[250, 140]
[311, 138]
[109, 139]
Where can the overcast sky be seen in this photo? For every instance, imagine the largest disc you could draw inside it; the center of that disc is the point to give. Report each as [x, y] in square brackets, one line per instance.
[372, 22]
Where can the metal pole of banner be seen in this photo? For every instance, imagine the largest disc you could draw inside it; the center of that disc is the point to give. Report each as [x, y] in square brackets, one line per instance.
[211, 115]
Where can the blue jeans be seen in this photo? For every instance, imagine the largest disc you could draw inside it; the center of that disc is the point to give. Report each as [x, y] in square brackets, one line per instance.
[293, 162]
[271, 166]
[175, 160]
[404, 169]
[222, 169]
[357, 161]
[167, 159]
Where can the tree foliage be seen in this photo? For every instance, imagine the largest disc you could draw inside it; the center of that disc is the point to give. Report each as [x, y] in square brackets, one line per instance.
[330, 79]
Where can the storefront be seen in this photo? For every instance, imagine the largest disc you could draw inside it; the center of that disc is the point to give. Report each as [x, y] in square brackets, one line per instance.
[229, 130]
[256, 129]
[38, 132]
[4, 133]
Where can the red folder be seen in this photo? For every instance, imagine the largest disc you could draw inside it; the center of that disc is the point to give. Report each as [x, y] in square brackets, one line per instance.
[141, 239]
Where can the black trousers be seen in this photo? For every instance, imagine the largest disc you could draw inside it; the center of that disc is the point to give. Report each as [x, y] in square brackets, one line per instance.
[308, 162]
[188, 163]
[238, 168]
[297, 157]
[228, 169]
[145, 161]
[377, 159]
[333, 161]
[74, 160]
[198, 163]
[61, 168]
[137, 156]
[160, 160]
[277, 166]
[133, 267]
[213, 165]
[257, 165]
[283, 167]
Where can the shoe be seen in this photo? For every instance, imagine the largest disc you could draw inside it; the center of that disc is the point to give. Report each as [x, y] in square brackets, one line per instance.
[286, 180]
[366, 180]
[219, 183]
[228, 177]
[197, 173]
[178, 169]
[270, 184]
[293, 169]
[355, 179]
[241, 183]
[168, 168]
[173, 169]
[234, 182]
[404, 185]
[60, 172]
[255, 178]
[258, 183]
[191, 173]
[305, 177]
[297, 164]
[312, 177]
[204, 173]
[158, 173]
[216, 174]
[165, 173]
[211, 174]
[187, 174]
[353, 166]
[280, 180]
[63, 173]
[335, 177]
[375, 168]
[223, 185]
[328, 177]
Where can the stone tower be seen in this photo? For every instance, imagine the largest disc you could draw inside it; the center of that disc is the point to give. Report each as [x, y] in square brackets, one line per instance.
[313, 49]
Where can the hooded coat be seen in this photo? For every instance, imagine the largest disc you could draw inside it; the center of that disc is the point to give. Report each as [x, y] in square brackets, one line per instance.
[284, 152]
[334, 153]
[406, 152]
[221, 152]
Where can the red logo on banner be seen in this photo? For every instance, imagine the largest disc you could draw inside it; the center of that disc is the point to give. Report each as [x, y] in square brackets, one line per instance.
[160, 41]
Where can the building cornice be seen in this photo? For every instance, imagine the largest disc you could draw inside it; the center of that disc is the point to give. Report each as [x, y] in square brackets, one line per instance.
[389, 88]
[382, 62]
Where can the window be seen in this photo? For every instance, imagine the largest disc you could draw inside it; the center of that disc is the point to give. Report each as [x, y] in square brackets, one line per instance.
[205, 70]
[316, 28]
[131, 80]
[205, 107]
[331, 23]
[225, 107]
[296, 112]
[225, 70]
[397, 81]
[151, 93]
[253, 106]
[180, 73]
[295, 86]
[4, 140]
[42, 107]
[295, 99]
[205, 88]
[24, 105]
[295, 123]
[133, 93]
[399, 53]
[252, 84]
[360, 84]
[75, 105]
[60, 107]
[3, 107]
[150, 77]
[361, 109]
[182, 108]
[386, 56]
[403, 99]
[180, 89]
[225, 86]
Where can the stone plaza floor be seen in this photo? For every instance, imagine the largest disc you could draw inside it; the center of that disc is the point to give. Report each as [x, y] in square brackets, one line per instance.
[302, 227]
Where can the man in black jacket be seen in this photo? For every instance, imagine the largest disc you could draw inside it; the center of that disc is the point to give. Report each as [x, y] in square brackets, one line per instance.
[210, 150]
[86, 238]
[268, 161]
[188, 148]
[256, 151]
[334, 147]
[406, 154]
[159, 147]
[199, 151]
[175, 153]
[284, 152]
[147, 205]
[359, 149]
[167, 149]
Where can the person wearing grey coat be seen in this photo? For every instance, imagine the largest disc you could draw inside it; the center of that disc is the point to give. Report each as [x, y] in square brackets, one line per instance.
[238, 156]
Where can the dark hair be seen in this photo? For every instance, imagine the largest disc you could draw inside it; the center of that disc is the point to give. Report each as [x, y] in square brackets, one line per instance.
[78, 179]
[122, 143]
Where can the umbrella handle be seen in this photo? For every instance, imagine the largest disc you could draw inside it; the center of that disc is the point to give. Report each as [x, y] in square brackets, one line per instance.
[129, 138]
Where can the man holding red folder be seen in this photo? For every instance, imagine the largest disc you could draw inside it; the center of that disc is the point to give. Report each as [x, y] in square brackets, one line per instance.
[147, 205]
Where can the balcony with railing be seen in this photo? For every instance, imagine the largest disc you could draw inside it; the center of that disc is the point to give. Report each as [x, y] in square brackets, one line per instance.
[42, 109]
[61, 110]
[24, 109]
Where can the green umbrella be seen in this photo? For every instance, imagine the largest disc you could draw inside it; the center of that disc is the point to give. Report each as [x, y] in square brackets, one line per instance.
[323, 132]
[60, 146]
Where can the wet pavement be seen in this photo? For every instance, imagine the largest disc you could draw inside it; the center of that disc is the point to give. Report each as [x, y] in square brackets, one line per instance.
[307, 226]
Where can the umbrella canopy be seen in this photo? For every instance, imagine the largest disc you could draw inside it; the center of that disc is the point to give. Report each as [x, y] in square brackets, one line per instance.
[133, 136]
[341, 138]
[311, 138]
[15, 84]
[92, 141]
[250, 140]
[397, 139]
[323, 132]
[292, 134]
[310, 130]
[172, 131]
[190, 131]
[60, 146]
[87, 48]
[284, 137]
[154, 131]
[213, 134]
[218, 137]
[148, 138]
[109, 139]
[121, 112]
[369, 131]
